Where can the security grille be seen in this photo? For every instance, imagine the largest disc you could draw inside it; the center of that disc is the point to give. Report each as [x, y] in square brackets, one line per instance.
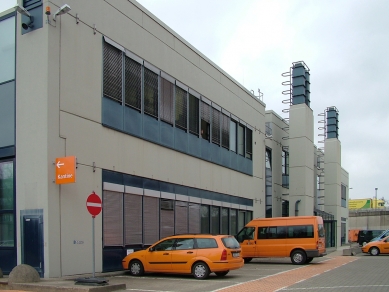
[215, 126]
[194, 218]
[181, 218]
[112, 72]
[112, 219]
[181, 108]
[193, 115]
[225, 131]
[167, 89]
[133, 219]
[151, 93]
[133, 83]
[151, 221]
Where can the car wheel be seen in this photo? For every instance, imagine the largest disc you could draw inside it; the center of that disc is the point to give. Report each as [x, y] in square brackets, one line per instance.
[374, 251]
[221, 274]
[308, 260]
[136, 268]
[247, 260]
[298, 257]
[200, 270]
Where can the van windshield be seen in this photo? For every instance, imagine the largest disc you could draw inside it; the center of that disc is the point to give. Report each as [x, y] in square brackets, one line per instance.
[245, 233]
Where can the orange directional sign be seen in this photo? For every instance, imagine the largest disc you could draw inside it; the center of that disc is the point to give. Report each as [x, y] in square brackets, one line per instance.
[65, 170]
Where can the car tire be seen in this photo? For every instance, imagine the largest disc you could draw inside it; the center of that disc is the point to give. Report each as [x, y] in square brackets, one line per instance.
[247, 260]
[221, 274]
[136, 268]
[374, 251]
[308, 260]
[298, 257]
[200, 270]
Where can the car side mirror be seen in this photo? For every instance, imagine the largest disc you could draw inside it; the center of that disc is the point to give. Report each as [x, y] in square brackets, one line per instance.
[151, 249]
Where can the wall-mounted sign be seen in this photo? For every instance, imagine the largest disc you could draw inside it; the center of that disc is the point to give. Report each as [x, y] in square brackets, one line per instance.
[65, 170]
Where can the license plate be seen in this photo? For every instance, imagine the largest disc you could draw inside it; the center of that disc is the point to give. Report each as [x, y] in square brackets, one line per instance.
[235, 254]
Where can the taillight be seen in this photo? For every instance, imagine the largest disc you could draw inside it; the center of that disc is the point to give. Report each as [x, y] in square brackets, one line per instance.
[224, 255]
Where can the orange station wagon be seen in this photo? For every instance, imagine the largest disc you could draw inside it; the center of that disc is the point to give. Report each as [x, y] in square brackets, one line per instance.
[196, 254]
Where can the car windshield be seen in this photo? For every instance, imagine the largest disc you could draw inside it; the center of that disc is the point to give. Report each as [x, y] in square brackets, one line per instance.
[230, 242]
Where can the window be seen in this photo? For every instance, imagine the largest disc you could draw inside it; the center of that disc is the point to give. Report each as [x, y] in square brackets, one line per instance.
[150, 93]
[181, 217]
[181, 108]
[285, 169]
[269, 183]
[167, 89]
[113, 218]
[343, 196]
[225, 131]
[233, 126]
[216, 126]
[133, 83]
[245, 234]
[194, 218]
[249, 143]
[205, 120]
[233, 221]
[193, 115]
[224, 219]
[167, 217]
[206, 243]
[184, 243]
[204, 212]
[133, 219]
[240, 140]
[165, 245]
[7, 49]
[151, 225]
[215, 227]
[302, 231]
[112, 72]
[7, 220]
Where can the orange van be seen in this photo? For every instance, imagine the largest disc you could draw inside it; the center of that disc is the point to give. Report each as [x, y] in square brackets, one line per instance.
[301, 238]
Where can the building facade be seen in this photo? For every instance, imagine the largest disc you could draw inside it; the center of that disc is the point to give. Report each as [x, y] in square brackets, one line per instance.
[169, 141]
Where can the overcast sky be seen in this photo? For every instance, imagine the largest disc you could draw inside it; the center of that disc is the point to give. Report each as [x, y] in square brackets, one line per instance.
[345, 44]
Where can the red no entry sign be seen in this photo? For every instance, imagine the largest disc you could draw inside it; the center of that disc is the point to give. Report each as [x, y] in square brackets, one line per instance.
[93, 204]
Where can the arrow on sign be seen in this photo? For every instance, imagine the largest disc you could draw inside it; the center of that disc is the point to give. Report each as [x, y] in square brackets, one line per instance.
[59, 164]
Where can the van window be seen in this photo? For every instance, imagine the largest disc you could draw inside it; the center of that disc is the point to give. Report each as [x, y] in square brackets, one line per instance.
[272, 232]
[245, 233]
[302, 231]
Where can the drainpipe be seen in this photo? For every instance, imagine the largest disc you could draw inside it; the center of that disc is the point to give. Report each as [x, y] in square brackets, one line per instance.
[296, 208]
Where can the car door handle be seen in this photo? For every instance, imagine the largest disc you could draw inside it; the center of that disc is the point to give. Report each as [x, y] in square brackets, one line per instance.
[166, 254]
[189, 252]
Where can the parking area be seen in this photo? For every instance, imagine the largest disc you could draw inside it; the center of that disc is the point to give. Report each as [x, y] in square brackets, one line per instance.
[330, 273]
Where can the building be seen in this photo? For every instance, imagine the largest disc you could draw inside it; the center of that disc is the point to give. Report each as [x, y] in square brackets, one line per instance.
[169, 141]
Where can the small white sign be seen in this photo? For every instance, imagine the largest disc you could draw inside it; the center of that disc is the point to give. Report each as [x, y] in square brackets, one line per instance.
[129, 251]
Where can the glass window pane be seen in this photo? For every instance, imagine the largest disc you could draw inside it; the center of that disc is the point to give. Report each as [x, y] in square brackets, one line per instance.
[7, 49]
[233, 136]
[215, 220]
[7, 114]
[240, 140]
[6, 186]
[181, 108]
[193, 114]
[204, 211]
[112, 72]
[7, 232]
[167, 89]
[133, 83]
[216, 126]
[225, 131]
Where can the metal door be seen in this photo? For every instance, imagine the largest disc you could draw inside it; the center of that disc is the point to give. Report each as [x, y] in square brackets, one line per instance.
[32, 242]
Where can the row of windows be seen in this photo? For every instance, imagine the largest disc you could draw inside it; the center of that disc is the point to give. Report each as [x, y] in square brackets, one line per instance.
[138, 85]
[130, 219]
[276, 232]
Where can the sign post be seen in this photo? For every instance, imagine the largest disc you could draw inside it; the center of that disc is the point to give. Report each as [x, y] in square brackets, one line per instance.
[93, 204]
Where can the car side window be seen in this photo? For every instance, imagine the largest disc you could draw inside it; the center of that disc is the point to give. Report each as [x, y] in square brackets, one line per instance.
[164, 245]
[206, 243]
[184, 243]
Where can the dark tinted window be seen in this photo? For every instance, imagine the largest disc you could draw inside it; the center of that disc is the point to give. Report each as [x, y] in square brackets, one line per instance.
[165, 245]
[245, 233]
[302, 231]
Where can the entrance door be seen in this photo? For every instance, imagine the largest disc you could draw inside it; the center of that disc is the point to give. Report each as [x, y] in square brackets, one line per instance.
[33, 242]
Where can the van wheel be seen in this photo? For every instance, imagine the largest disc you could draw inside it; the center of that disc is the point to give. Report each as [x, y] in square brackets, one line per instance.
[374, 251]
[200, 271]
[247, 260]
[298, 257]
